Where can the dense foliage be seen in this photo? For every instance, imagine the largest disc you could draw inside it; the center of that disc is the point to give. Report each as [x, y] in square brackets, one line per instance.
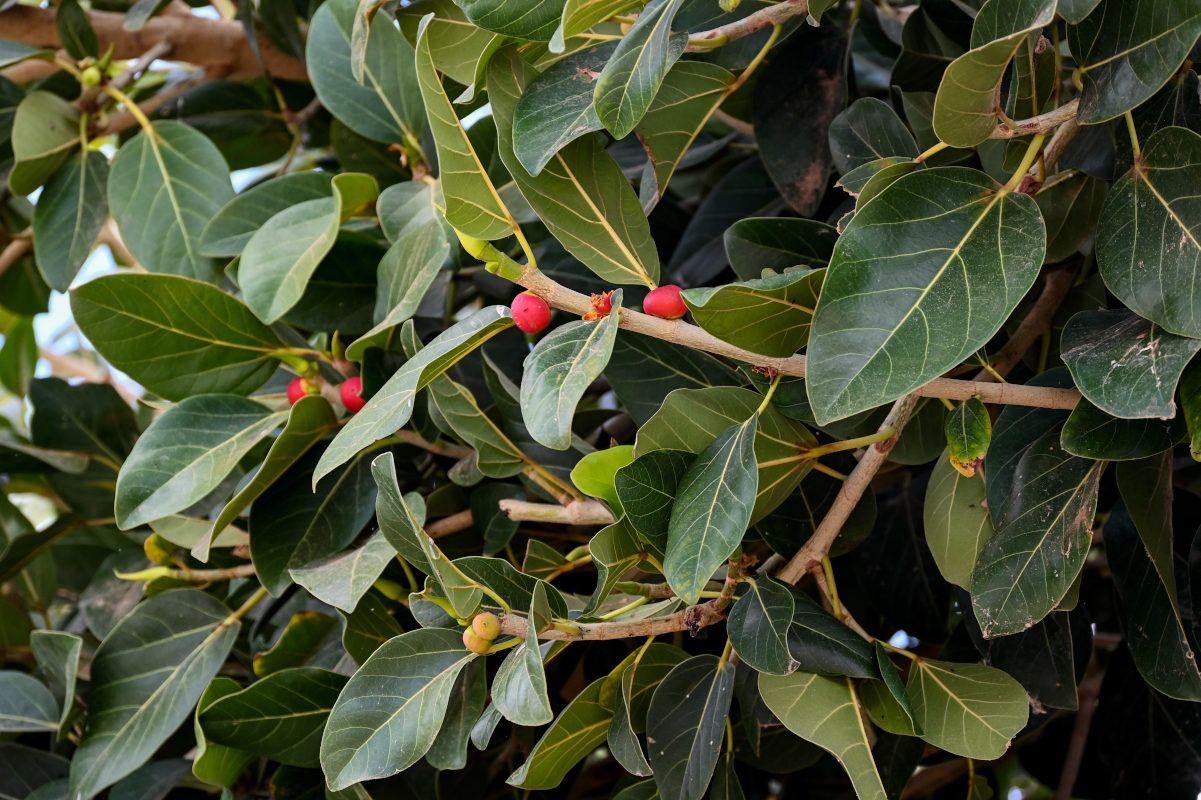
[902, 507]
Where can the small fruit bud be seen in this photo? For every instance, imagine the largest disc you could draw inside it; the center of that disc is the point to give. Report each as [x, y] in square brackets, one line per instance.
[298, 388]
[665, 302]
[475, 247]
[351, 392]
[530, 312]
[474, 643]
[91, 76]
[486, 626]
[158, 550]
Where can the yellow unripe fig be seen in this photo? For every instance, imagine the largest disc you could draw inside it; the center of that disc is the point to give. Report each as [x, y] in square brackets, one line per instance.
[486, 626]
[91, 76]
[474, 643]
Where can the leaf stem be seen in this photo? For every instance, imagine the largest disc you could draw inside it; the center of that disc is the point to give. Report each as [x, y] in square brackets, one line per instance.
[617, 612]
[132, 107]
[833, 473]
[756, 61]
[1027, 160]
[771, 390]
[1134, 145]
[725, 655]
[245, 608]
[828, 569]
[938, 148]
[882, 435]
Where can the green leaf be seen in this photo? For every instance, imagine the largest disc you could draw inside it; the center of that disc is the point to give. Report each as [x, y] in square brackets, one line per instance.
[310, 419]
[758, 626]
[283, 254]
[754, 244]
[57, 654]
[1154, 630]
[712, 510]
[690, 94]
[965, 110]
[496, 454]
[68, 216]
[147, 675]
[163, 189]
[1042, 538]
[472, 204]
[280, 717]
[575, 733]
[1147, 236]
[385, 106]
[516, 588]
[1146, 488]
[595, 473]
[685, 725]
[392, 406]
[936, 239]
[1091, 433]
[967, 709]
[1127, 49]
[969, 431]
[708, 412]
[18, 362]
[893, 710]
[343, 579]
[217, 764]
[643, 370]
[825, 711]
[1071, 207]
[45, 131]
[519, 688]
[299, 642]
[957, 523]
[615, 550]
[580, 15]
[623, 741]
[174, 335]
[629, 82]
[369, 626]
[817, 642]
[581, 194]
[1076, 10]
[26, 704]
[406, 273]
[291, 525]
[556, 107]
[389, 712]
[457, 46]
[15, 52]
[449, 750]
[559, 370]
[1190, 407]
[769, 315]
[647, 489]
[531, 19]
[186, 453]
[866, 131]
[227, 233]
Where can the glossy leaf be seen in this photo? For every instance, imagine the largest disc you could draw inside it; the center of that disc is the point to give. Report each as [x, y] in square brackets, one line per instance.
[176, 336]
[388, 714]
[1147, 235]
[26, 704]
[594, 474]
[392, 406]
[758, 626]
[496, 454]
[965, 109]
[647, 488]
[1147, 492]
[280, 717]
[685, 725]
[186, 453]
[866, 131]
[712, 510]
[1091, 433]
[575, 733]
[343, 579]
[1127, 50]
[146, 676]
[817, 642]
[559, 370]
[536, 19]
[969, 431]
[163, 189]
[580, 194]
[643, 370]
[825, 711]
[963, 244]
[227, 233]
[519, 689]
[45, 131]
[467, 697]
[769, 315]
[68, 216]
[957, 523]
[214, 763]
[968, 709]
[629, 82]
[57, 654]
[456, 45]
[758, 243]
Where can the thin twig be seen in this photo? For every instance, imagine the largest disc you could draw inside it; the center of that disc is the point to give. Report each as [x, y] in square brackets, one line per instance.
[1043, 123]
[1086, 703]
[818, 545]
[752, 23]
[680, 332]
[437, 448]
[14, 252]
[580, 512]
[448, 525]
[690, 619]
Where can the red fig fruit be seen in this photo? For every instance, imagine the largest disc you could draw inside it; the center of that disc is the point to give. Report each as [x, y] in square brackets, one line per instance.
[665, 302]
[351, 392]
[530, 312]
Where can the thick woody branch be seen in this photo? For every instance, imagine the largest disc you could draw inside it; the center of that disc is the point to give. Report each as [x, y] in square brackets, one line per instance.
[1043, 123]
[681, 332]
[690, 619]
[448, 525]
[752, 23]
[580, 512]
[810, 555]
[220, 46]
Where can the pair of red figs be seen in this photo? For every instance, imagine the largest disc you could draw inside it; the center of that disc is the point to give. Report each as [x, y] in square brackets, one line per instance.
[532, 314]
[350, 390]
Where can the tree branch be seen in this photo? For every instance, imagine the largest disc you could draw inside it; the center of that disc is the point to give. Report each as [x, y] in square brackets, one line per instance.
[1036, 322]
[220, 46]
[752, 23]
[848, 495]
[681, 332]
[690, 619]
[14, 252]
[1043, 123]
[580, 512]
[448, 525]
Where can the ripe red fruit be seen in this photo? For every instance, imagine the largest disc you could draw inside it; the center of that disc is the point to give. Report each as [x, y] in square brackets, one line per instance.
[351, 392]
[530, 312]
[665, 302]
[298, 388]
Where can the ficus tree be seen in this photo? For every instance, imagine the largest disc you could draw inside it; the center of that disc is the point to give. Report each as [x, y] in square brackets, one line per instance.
[346, 465]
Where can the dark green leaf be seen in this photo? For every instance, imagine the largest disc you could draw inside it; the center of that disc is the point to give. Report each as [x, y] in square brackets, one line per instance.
[69, 214]
[817, 642]
[643, 370]
[449, 750]
[758, 626]
[769, 315]
[880, 330]
[532, 19]
[615, 551]
[227, 233]
[575, 733]
[26, 704]
[1091, 433]
[57, 654]
[866, 131]
[519, 688]
[758, 243]
[214, 763]
[1146, 488]
[1070, 207]
[957, 523]
[457, 46]
[629, 82]
[685, 725]
[647, 488]
[967, 709]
